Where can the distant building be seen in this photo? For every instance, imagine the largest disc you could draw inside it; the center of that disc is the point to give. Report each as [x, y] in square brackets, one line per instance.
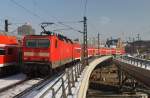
[114, 43]
[141, 46]
[111, 43]
[26, 29]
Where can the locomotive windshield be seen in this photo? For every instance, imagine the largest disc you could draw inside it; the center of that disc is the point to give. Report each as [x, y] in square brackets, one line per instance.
[2, 51]
[37, 43]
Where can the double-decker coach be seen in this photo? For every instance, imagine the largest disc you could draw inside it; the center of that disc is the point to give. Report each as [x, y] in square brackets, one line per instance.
[8, 54]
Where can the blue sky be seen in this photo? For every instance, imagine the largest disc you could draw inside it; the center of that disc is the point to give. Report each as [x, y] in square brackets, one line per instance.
[116, 18]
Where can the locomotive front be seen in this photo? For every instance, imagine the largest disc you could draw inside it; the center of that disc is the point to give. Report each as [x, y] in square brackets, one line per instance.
[36, 55]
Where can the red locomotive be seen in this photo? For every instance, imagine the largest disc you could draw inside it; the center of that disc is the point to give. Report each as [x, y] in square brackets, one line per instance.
[47, 52]
[42, 53]
[8, 53]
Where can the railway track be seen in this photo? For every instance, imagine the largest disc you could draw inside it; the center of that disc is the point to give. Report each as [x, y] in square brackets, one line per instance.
[12, 85]
[27, 86]
[23, 87]
[38, 85]
[15, 89]
[11, 80]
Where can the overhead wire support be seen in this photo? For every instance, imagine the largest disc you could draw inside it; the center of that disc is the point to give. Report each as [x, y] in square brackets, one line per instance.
[98, 44]
[84, 57]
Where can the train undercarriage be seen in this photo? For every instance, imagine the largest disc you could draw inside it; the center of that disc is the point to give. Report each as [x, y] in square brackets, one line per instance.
[8, 70]
[33, 69]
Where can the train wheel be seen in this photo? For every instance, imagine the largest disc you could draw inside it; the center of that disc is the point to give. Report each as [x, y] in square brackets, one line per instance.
[45, 71]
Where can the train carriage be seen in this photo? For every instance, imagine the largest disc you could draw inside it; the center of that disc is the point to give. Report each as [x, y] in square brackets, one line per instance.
[77, 51]
[43, 53]
[8, 54]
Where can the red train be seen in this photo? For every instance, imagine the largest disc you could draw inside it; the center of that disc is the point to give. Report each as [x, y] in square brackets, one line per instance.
[42, 53]
[8, 53]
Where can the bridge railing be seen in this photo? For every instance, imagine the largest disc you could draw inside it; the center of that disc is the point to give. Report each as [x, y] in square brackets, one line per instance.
[63, 86]
[136, 61]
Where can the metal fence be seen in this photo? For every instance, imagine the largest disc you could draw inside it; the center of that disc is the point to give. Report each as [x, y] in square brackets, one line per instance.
[136, 61]
[63, 86]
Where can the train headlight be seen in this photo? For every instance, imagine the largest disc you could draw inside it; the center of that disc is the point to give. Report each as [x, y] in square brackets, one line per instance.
[46, 59]
[25, 58]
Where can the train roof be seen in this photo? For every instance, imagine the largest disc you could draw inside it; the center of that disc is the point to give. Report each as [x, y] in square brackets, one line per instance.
[59, 36]
[5, 39]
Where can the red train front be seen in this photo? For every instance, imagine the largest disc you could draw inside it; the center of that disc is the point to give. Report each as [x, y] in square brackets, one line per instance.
[46, 52]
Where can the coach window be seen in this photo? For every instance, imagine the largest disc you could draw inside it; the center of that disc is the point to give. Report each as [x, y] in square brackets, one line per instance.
[2, 52]
[56, 43]
[10, 51]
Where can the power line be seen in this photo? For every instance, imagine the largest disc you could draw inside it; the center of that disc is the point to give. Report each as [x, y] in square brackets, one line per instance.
[36, 15]
[27, 10]
[62, 29]
[85, 7]
[69, 27]
[61, 22]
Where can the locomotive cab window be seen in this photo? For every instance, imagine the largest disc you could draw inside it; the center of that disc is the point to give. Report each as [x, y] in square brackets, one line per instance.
[31, 43]
[2, 52]
[37, 43]
[43, 43]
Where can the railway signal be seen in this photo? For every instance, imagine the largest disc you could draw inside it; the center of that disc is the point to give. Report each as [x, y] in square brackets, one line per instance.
[6, 25]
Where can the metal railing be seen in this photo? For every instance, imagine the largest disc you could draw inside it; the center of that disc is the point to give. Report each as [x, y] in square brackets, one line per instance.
[136, 61]
[63, 86]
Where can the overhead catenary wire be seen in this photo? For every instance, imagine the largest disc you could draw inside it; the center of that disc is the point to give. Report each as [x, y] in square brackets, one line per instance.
[27, 10]
[85, 7]
[60, 22]
[62, 29]
[70, 27]
[39, 17]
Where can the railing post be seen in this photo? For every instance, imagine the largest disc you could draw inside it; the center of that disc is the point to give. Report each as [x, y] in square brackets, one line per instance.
[80, 65]
[63, 89]
[77, 71]
[53, 92]
[137, 62]
[75, 74]
[146, 64]
[69, 84]
[72, 75]
[141, 63]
